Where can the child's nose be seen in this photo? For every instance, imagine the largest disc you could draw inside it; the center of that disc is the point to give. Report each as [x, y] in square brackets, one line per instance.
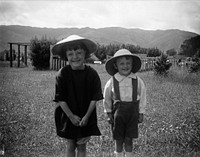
[74, 55]
[126, 65]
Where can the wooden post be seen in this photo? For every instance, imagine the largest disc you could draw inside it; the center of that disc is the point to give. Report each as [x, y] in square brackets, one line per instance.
[11, 55]
[51, 57]
[57, 64]
[25, 55]
[18, 63]
[60, 63]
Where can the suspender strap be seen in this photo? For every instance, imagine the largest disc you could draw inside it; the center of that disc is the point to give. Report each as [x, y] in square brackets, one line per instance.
[134, 87]
[116, 89]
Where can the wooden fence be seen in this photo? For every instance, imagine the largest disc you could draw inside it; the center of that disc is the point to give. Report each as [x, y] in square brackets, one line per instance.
[147, 64]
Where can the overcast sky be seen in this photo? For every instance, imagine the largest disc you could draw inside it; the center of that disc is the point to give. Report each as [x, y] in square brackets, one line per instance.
[143, 14]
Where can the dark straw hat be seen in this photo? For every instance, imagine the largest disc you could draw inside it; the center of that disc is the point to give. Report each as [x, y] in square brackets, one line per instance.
[121, 53]
[62, 46]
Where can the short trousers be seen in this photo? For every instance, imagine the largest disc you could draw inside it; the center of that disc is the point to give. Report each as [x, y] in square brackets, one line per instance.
[80, 141]
[126, 121]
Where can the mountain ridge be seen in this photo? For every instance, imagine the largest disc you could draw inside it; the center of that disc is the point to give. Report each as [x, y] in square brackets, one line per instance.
[162, 39]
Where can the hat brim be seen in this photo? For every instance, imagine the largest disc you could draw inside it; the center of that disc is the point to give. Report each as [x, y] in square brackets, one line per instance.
[61, 47]
[112, 70]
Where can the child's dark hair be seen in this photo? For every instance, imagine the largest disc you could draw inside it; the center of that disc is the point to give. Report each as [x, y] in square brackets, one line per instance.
[78, 46]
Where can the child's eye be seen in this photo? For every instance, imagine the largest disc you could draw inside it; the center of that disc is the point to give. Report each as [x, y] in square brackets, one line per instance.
[69, 53]
[79, 52]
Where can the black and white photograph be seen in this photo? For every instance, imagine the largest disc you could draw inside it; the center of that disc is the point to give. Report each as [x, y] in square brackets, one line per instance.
[99, 78]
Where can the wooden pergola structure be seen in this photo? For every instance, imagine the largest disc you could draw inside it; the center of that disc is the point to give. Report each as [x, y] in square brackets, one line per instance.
[18, 58]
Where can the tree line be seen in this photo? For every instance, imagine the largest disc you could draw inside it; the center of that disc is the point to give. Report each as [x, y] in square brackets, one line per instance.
[40, 50]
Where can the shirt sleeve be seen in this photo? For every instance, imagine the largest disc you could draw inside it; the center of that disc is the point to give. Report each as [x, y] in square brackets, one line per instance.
[97, 89]
[142, 95]
[107, 101]
[97, 95]
[59, 91]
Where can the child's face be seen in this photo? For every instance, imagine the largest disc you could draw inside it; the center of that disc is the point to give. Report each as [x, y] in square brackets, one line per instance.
[124, 65]
[76, 58]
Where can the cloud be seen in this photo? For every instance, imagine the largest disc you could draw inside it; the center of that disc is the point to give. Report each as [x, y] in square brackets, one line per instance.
[189, 15]
[146, 14]
[7, 11]
[18, 12]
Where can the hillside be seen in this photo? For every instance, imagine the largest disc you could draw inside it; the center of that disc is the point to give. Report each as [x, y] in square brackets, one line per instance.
[162, 39]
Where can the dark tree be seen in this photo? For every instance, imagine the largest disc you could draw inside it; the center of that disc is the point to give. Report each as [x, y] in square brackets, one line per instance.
[190, 47]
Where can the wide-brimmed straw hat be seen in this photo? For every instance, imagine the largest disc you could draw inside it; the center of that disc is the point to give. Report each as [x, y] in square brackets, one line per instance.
[62, 46]
[120, 53]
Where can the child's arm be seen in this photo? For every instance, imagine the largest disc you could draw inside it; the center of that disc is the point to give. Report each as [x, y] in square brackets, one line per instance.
[74, 118]
[107, 101]
[143, 102]
[110, 118]
[91, 107]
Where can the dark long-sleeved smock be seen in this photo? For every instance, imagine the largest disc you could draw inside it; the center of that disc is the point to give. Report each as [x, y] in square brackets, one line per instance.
[78, 88]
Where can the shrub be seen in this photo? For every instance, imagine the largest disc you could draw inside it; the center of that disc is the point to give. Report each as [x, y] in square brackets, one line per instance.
[171, 52]
[195, 67]
[153, 52]
[40, 53]
[162, 65]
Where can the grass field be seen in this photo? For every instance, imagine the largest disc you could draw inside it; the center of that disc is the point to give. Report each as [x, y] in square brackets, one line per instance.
[171, 127]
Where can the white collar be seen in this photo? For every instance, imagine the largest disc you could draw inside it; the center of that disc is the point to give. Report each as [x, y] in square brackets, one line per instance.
[121, 77]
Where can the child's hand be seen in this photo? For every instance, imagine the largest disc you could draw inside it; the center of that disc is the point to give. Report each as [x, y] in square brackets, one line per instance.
[75, 120]
[110, 118]
[141, 118]
[83, 121]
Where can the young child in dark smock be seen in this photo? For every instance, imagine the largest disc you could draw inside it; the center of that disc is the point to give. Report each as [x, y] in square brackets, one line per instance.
[77, 90]
[124, 99]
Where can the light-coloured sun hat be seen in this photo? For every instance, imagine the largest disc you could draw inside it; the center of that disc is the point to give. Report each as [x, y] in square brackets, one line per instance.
[120, 53]
[62, 46]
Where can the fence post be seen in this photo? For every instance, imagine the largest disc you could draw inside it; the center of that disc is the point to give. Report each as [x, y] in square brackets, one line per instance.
[51, 57]
[18, 58]
[11, 65]
[25, 55]
[59, 63]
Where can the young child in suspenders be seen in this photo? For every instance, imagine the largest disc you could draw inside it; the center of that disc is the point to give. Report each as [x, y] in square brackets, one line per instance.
[124, 100]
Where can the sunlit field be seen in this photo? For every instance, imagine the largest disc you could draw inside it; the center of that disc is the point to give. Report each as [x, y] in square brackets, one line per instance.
[171, 127]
